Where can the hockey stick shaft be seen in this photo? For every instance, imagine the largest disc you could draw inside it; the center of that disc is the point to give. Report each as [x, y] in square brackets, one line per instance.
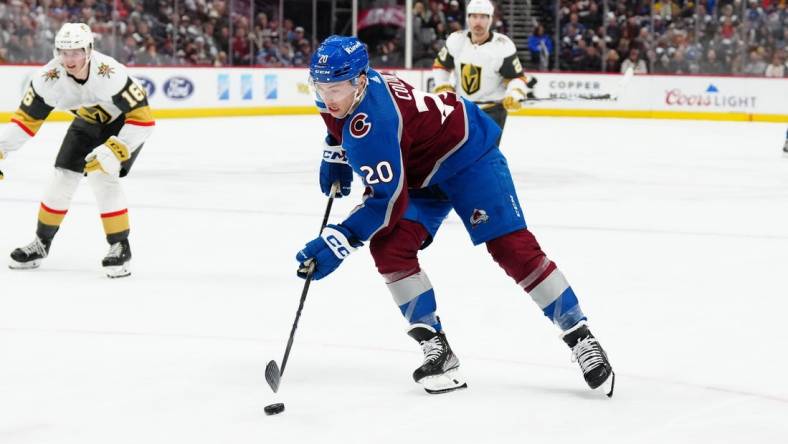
[273, 380]
[492, 103]
[626, 78]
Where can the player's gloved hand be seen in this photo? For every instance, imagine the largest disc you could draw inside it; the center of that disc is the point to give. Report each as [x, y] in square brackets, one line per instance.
[106, 158]
[443, 87]
[326, 252]
[335, 168]
[512, 103]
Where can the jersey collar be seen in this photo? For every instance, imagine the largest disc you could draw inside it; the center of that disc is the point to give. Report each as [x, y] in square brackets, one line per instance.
[489, 39]
[81, 82]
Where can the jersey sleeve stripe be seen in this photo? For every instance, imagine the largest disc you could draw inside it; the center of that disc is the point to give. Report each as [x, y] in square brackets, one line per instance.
[24, 128]
[398, 193]
[141, 116]
[439, 65]
[28, 124]
[138, 123]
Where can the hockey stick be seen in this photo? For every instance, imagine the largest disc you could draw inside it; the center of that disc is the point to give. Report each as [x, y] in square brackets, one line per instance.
[273, 373]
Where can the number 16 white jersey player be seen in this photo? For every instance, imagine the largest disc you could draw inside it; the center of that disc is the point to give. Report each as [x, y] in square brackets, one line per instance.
[112, 120]
[482, 65]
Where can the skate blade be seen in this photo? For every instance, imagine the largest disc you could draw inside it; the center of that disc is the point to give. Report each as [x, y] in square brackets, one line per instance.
[607, 387]
[118, 271]
[14, 265]
[447, 382]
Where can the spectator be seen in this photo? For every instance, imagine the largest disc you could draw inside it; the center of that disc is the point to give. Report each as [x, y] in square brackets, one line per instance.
[634, 63]
[756, 66]
[777, 68]
[454, 13]
[612, 62]
[540, 46]
[711, 65]
[150, 55]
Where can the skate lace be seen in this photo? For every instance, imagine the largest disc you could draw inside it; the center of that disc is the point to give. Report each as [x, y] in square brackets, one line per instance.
[432, 349]
[588, 354]
[115, 250]
[35, 247]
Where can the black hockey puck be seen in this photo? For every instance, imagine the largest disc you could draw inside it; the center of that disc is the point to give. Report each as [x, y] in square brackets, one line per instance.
[274, 409]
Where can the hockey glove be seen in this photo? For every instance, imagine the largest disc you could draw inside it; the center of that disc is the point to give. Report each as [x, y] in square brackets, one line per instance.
[334, 168]
[443, 88]
[106, 158]
[326, 252]
[511, 103]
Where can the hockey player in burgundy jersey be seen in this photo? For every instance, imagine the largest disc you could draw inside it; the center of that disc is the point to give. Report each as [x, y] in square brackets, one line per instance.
[420, 156]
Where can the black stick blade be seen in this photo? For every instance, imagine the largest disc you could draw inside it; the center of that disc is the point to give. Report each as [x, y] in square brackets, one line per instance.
[272, 375]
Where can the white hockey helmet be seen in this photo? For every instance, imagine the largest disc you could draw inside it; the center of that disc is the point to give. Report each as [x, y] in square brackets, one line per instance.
[480, 7]
[74, 36]
[484, 7]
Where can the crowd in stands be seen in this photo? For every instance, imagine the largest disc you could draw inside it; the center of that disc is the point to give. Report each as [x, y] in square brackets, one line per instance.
[153, 32]
[743, 37]
[746, 37]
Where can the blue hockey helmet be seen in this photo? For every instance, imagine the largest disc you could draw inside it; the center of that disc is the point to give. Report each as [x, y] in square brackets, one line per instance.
[337, 59]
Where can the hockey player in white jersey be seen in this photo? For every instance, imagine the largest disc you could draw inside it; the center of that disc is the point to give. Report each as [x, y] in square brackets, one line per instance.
[482, 65]
[112, 120]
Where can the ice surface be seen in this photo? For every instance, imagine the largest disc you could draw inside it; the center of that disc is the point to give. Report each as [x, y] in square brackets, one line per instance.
[673, 234]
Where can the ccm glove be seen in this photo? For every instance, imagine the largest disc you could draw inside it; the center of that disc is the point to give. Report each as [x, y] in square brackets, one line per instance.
[326, 252]
[107, 158]
[334, 168]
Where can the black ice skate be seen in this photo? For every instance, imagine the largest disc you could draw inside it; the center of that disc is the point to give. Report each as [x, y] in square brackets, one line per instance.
[30, 255]
[592, 358]
[440, 371]
[118, 260]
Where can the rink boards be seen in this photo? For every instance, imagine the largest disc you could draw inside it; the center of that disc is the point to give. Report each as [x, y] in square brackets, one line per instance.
[212, 92]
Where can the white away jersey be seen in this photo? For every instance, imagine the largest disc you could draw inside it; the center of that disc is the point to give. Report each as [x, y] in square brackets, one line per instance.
[107, 94]
[479, 71]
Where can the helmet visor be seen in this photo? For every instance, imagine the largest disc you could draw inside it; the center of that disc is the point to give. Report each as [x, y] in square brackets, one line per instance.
[334, 91]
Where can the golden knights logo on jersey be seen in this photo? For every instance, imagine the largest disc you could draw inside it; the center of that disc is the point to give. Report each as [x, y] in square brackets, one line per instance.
[471, 78]
[93, 114]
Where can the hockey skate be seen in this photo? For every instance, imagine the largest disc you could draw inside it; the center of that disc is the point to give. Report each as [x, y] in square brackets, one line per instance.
[29, 256]
[440, 371]
[592, 358]
[118, 260]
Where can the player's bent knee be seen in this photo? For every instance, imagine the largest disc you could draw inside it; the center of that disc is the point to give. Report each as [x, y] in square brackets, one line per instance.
[396, 251]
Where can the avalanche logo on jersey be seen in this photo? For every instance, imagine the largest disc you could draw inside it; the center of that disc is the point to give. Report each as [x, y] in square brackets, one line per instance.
[478, 217]
[359, 127]
[471, 77]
